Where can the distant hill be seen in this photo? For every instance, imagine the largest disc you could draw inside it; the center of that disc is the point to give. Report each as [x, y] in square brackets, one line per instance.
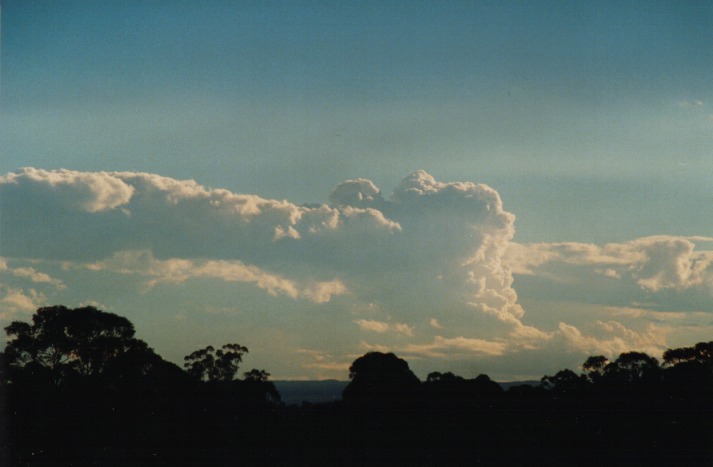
[297, 392]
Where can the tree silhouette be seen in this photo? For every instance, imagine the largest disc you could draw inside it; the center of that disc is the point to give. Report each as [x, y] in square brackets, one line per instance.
[214, 365]
[633, 367]
[448, 377]
[257, 385]
[79, 389]
[690, 370]
[256, 375]
[62, 342]
[564, 382]
[378, 376]
[482, 385]
[700, 353]
[140, 367]
[445, 388]
[595, 367]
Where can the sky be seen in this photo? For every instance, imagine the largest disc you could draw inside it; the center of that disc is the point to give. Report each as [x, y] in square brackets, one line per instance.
[479, 187]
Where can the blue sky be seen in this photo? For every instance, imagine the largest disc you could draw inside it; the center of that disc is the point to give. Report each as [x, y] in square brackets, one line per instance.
[592, 122]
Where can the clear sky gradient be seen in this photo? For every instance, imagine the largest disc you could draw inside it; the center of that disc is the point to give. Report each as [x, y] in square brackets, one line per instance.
[591, 123]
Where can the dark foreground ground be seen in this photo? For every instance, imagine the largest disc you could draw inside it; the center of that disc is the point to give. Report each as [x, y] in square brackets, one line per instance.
[524, 426]
[77, 389]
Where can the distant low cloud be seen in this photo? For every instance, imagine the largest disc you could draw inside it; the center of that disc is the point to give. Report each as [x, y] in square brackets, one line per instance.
[442, 346]
[322, 362]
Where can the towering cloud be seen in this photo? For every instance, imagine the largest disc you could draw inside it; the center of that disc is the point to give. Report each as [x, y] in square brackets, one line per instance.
[75, 215]
[427, 271]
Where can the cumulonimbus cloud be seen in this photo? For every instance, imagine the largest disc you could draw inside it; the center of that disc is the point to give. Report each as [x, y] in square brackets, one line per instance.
[428, 230]
[428, 271]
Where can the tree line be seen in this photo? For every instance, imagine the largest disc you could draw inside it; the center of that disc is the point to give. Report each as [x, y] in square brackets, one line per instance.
[80, 389]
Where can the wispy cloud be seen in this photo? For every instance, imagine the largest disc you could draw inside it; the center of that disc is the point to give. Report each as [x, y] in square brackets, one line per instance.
[31, 274]
[382, 327]
[441, 347]
[323, 361]
[178, 271]
[690, 103]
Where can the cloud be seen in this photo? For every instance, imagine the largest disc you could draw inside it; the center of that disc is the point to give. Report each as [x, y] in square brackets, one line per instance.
[178, 271]
[428, 271]
[89, 191]
[430, 251]
[526, 259]
[359, 192]
[36, 276]
[654, 264]
[382, 327]
[371, 325]
[14, 301]
[18, 290]
[633, 312]
[690, 103]
[442, 347]
[403, 329]
[439, 237]
[322, 292]
[95, 304]
[88, 215]
[323, 361]
[672, 263]
[612, 338]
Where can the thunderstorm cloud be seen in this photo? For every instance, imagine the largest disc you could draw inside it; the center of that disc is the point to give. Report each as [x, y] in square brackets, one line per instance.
[429, 271]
